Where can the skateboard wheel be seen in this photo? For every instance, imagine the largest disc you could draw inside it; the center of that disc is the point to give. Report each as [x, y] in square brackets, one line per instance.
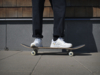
[33, 53]
[71, 53]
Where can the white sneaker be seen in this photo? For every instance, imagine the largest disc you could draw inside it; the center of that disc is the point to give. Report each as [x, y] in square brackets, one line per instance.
[37, 42]
[60, 43]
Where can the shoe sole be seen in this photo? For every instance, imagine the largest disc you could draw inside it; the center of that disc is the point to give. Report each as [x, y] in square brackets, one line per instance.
[61, 47]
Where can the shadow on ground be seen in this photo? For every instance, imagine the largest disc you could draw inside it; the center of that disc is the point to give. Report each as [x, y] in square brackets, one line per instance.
[81, 32]
[64, 54]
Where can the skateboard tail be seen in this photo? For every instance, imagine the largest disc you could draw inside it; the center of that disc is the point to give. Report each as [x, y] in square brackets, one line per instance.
[78, 47]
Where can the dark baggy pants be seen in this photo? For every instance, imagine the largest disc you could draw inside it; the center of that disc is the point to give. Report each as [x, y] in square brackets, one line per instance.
[58, 6]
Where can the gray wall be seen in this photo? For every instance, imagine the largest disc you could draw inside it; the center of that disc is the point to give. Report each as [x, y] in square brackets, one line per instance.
[76, 31]
[2, 35]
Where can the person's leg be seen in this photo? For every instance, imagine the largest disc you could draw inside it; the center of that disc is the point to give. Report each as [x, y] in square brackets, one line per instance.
[59, 8]
[37, 15]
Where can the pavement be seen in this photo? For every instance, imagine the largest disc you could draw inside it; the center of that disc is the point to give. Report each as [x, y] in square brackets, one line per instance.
[48, 63]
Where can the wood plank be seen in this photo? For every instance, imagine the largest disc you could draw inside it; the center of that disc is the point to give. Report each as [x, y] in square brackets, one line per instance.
[27, 12]
[46, 12]
[70, 12]
[99, 3]
[90, 2]
[51, 14]
[89, 12]
[1, 3]
[98, 12]
[84, 2]
[94, 12]
[9, 3]
[24, 2]
[47, 3]
[19, 12]
[78, 2]
[80, 11]
[2, 12]
[11, 12]
[95, 2]
[74, 2]
[68, 3]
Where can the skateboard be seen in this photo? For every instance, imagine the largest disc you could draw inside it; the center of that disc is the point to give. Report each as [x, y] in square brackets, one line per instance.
[68, 50]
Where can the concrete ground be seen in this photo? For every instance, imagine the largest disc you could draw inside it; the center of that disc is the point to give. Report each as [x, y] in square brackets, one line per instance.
[48, 63]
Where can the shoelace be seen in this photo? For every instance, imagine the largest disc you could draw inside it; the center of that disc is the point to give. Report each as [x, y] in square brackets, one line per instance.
[62, 39]
[37, 40]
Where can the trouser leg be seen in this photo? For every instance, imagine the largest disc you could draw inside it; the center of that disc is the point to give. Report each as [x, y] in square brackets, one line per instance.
[37, 15]
[59, 8]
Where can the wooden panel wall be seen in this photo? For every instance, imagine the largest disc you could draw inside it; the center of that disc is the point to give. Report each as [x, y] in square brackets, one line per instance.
[74, 8]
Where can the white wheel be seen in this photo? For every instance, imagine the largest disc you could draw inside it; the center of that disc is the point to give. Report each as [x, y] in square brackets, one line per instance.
[71, 54]
[33, 53]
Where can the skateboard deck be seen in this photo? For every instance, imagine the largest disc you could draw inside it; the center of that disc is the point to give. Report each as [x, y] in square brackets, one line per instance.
[69, 50]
